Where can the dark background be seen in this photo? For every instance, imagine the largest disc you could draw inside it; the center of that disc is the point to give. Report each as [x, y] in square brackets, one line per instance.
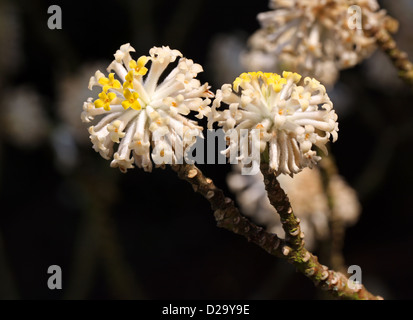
[148, 235]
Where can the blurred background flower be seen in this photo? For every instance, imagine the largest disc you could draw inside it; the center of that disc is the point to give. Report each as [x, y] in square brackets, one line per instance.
[306, 195]
[308, 199]
[24, 121]
[316, 38]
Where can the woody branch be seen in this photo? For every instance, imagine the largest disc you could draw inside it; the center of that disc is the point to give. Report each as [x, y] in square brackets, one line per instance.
[228, 216]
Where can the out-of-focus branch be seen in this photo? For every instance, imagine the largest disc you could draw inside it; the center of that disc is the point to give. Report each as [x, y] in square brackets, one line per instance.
[328, 169]
[229, 217]
[386, 43]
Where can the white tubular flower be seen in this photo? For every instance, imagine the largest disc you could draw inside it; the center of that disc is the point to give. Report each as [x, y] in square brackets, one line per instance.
[314, 37]
[140, 111]
[291, 119]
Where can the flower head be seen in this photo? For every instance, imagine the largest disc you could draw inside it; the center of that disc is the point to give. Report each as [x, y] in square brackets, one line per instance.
[291, 119]
[314, 37]
[139, 111]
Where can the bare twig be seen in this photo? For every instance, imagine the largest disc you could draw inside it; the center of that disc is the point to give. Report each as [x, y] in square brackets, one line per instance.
[229, 217]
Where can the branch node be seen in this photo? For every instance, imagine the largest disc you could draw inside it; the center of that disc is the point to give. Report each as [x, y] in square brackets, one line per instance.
[262, 240]
[219, 215]
[295, 232]
[306, 256]
[210, 194]
[286, 250]
[236, 220]
[309, 272]
[334, 279]
[192, 173]
[324, 275]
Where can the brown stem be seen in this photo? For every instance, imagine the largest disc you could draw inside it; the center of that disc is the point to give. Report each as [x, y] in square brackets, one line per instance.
[229, 217]
[226, 213]
[399, 58]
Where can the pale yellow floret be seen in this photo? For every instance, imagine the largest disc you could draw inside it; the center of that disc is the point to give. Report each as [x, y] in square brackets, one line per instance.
[243, 78]
[131, 100]
[139, 66]
[128, 80]
[110, 82]
[104, 100]
[292, 75]
[273, 80]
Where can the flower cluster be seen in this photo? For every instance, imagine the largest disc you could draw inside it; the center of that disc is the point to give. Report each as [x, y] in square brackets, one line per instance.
[291, 118]
[314, 37]
[140, 111]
